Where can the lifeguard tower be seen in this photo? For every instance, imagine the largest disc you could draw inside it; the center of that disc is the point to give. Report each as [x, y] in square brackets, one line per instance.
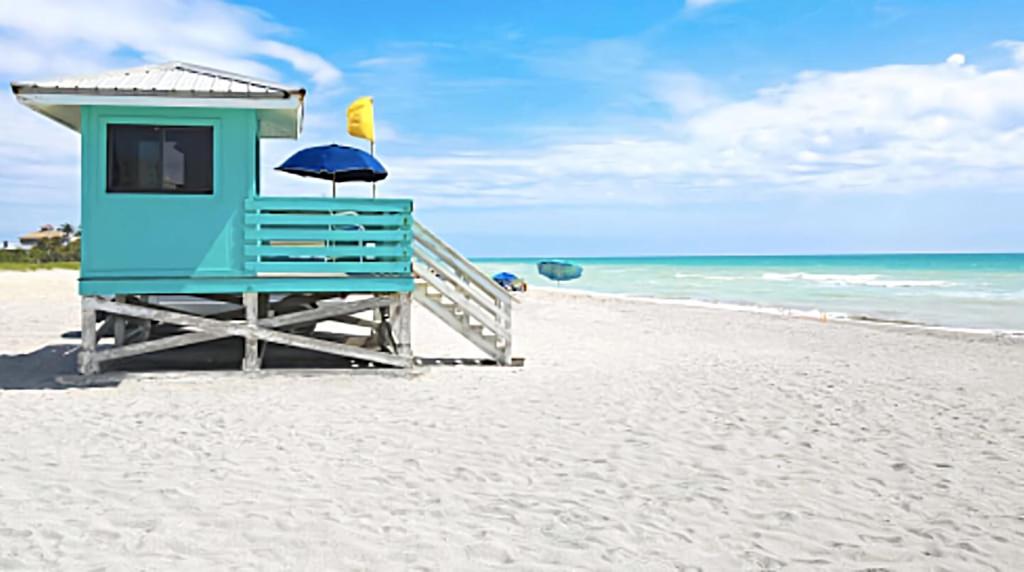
[173, 209]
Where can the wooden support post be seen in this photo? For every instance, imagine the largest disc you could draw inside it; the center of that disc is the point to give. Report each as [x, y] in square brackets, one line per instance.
[376, 340]
[251, 359]
[120, 322]
[87, 363]
[401, 324]
[264, 310]
[147, 325]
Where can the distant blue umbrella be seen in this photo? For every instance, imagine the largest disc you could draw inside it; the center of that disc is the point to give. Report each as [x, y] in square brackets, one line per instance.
[336, 163]
[505, 279]
[559, 270]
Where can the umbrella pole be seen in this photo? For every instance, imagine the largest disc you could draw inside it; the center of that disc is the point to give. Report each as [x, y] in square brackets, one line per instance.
[375, 182]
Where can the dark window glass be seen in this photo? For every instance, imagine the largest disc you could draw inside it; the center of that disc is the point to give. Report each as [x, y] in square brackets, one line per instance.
[155, 159]
[257, 164]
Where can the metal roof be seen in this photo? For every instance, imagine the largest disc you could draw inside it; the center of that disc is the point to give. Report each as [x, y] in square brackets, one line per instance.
[42, 235]
[173, 79]
[280, 108]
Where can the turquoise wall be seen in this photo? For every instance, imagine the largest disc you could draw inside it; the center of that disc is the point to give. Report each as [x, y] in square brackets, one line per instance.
[155, 235]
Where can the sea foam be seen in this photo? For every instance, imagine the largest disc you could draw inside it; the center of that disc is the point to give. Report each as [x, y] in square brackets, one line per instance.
[854, 280]
[716, 277]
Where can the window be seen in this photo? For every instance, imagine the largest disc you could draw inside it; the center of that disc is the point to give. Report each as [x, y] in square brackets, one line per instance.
[156, 159]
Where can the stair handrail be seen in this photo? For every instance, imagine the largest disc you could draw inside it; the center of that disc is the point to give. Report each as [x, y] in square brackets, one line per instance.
[484, 302]
[467, 269]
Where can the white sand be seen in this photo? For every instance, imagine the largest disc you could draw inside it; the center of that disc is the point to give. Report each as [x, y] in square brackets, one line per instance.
[638, 436]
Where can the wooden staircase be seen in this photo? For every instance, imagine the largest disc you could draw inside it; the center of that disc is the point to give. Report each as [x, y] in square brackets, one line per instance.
[461, 295]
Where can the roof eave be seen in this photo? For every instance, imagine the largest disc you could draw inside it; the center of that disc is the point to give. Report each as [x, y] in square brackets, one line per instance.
[31, 89]
[57, 105]
[148, 99]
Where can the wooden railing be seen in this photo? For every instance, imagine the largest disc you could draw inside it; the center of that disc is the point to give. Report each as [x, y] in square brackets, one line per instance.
[344, 236]
[476, 295]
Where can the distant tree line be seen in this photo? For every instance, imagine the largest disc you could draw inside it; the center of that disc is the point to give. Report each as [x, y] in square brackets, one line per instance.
[67, 249]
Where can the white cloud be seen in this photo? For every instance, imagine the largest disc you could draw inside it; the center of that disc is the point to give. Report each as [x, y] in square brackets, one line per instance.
[390, 62]
[317, 68]
[898, 128]
[695, 5]
[87, 35]
[599, 61]
[1016, 49]
[684, 92]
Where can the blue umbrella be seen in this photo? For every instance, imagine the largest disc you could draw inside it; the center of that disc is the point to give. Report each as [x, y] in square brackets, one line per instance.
[559, 270]
[336, 163]
[505, 279]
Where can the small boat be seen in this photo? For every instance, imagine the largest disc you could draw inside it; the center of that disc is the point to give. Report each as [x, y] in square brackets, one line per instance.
[559, 270]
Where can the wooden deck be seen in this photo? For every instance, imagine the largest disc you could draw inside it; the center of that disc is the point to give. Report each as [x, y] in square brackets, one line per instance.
[302, 244]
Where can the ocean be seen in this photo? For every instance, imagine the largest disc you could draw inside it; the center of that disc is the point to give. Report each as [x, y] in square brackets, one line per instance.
[961, 291]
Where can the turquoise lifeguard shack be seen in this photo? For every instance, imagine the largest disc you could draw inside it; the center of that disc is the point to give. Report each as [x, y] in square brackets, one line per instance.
[173, 209]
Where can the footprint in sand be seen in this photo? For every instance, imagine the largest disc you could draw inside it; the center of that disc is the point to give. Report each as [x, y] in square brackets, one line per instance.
[14, 533]
[489, 553]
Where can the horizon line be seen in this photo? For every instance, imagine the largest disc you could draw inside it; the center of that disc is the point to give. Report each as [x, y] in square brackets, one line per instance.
[732, 255]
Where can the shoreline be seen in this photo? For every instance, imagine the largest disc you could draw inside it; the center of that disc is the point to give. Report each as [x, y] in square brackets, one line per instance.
[747, 308]
[783, 312]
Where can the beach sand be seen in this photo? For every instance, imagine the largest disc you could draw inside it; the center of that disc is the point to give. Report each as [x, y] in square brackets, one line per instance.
[638, 436]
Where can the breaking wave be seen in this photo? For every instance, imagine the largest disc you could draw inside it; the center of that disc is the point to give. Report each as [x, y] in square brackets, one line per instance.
[717, 277]
[854, 280]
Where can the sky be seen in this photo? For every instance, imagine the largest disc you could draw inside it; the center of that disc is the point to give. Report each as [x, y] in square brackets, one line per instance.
[612, 128]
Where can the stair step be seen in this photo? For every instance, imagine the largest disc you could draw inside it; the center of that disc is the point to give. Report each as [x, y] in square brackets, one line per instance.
[453, 299]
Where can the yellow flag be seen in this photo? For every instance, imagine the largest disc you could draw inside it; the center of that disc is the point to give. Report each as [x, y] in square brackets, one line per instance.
[360, 118]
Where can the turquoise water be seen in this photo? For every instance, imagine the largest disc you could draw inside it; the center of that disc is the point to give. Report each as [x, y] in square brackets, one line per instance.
[984, 291]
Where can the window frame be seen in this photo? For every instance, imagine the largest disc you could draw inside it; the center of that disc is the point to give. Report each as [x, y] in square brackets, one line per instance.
[163, 128]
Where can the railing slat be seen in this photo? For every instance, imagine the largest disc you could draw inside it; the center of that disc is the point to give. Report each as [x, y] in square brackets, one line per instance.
[451, 257]
[264, 233]
[324, 204]
[319, 250]
[327, 219]
[328, 267]
[486, 302]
